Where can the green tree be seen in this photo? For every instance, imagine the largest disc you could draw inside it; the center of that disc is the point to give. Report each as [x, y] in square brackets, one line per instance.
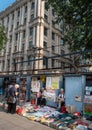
[3, 37]
[77, 17]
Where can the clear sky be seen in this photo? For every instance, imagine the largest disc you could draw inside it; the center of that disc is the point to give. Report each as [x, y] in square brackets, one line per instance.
[5, 3]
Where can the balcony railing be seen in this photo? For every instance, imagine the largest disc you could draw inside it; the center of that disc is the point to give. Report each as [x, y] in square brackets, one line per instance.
[17, 54]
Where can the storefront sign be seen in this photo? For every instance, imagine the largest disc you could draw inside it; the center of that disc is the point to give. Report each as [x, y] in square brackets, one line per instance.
[55, 82]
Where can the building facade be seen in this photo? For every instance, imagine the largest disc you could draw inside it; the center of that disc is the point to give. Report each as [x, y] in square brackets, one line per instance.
[35, 41]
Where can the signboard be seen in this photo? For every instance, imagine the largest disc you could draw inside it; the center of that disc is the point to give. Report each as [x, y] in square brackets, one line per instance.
[88, 100]
[35, 85]
[48, 83]
[55, 82]
[52, 83]
[50, 95]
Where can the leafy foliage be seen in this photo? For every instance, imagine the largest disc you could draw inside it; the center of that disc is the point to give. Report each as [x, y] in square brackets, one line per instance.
[77, 15]
[3, 37]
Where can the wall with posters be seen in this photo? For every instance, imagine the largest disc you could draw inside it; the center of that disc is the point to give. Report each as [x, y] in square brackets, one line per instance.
[53, 85]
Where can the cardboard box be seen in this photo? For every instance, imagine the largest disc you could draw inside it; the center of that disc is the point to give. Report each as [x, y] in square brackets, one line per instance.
[73, 109]
[70, 109]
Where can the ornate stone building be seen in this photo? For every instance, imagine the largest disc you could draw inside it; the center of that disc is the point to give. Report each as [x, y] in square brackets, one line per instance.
[32, 34]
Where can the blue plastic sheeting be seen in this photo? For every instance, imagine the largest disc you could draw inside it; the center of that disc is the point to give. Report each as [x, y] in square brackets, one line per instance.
[74, 86]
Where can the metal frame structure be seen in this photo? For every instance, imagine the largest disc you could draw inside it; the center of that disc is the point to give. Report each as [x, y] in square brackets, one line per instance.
[44, 71]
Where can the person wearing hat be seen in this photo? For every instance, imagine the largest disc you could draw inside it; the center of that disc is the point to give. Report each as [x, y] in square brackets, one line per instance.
[60, 99]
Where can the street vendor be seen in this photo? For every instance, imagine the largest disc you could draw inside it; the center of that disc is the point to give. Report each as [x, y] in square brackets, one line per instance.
[60, 99]
[39, 97]
[41, 100]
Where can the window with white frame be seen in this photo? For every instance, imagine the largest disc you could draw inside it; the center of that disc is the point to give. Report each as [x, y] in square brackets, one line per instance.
[45, 61]
[25, 9]
[53, 48]
[53, 62]
[45, 45]
[32, 6]
[32, 16]
[24, 34]
[18, 13]
[45, 17]
[61, 41]
[31, 31]
[45, 31]
[53, 36]
[25, 20]
[46, 6]
[30, 44]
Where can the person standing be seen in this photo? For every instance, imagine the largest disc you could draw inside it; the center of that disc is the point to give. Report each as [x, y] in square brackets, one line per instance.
[43, 99]
[12, 98]
[39, 98]
[60, 99]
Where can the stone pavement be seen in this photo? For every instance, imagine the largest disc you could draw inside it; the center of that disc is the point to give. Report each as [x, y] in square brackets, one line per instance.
[16, 122]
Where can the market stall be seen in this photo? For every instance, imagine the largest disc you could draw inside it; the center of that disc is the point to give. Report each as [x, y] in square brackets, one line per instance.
[87, 111]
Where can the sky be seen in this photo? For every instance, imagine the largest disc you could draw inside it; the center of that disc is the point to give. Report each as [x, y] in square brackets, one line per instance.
[5, 3]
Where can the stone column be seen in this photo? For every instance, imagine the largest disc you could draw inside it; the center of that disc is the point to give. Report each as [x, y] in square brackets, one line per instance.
[22, 16]
[37, 38]
[20, 41]
[39, 7]
[13, 41]
[15, 18]
[42, 9]
[36, 8]
[34, 36]
[27, 35]
[41, 39]
[28, 12]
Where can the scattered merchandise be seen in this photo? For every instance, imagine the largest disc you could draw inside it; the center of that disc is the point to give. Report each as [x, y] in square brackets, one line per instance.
[50, 116]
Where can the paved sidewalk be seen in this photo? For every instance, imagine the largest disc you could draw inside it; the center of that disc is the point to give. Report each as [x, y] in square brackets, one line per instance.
[16, 122]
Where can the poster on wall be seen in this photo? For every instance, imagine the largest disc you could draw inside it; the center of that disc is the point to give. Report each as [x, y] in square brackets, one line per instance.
[52, 83]
[55, 82]
[50, 95]
[88, 94]
[35, 85]
[48, 83]
[88, 100]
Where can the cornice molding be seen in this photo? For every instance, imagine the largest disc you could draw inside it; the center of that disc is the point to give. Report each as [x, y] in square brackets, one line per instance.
[12, 8]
